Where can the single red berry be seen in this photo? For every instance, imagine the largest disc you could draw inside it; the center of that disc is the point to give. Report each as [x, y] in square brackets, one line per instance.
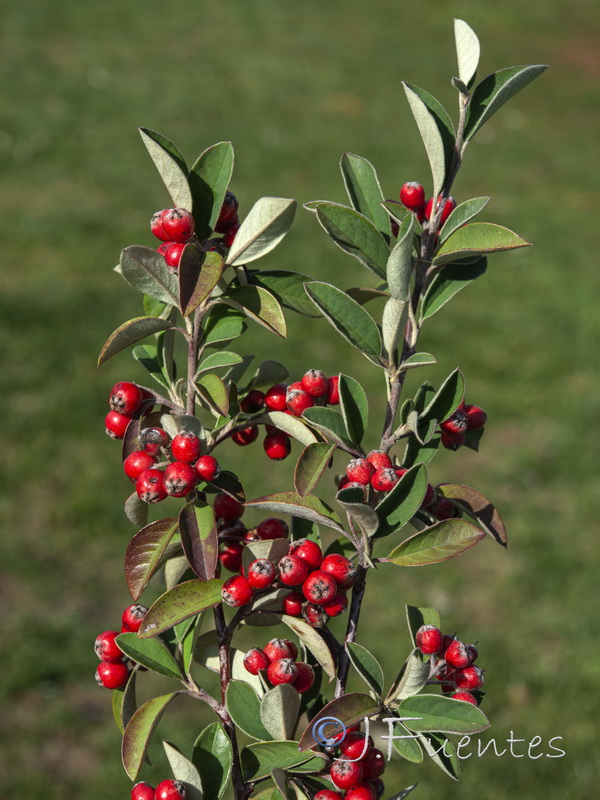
[412, 195]
[283, 670]
[328, 794]
[137, 462]
[133, 617]
[305, 677]
[142, 791]
[156, 225]
[296, 386]
[253, 402]
[186, 447]
[207, 468]
[170, 790]
[359, 470]
[106, 647]
[116, 424]
[308, 551]
[223, 225]
[429, 639]
[261, 573]
[341, 569]
[172, 256]
[469, 677]
[384, 479]
[466, 697]
[333, 391]
[237, 591]
[229, 208]
[292, 648]
[231, 232]
[364, 791]
[344, 482]
[162, 249]
[178, 224]
[278, 648]
[315, 383]
[180, 479]
[255, 660]
[126, 398]
[292, 604]
[150, 486]
[373, 764]
[298, 401]
[336, 606]
[275, 397]
[292, 570]
[272, 528]
[227, 508]
[379, 459]
[245, 436]
[452, 441]
[314, 615]
[430, 496]
[400, 471]
[153, 440]
[456, 423]
[346, 774]
[356, 745]
[449, 207]
[277, 445]
[459, 654]
[476, 417]
[320, 587]
[231, 556]
[112, 675]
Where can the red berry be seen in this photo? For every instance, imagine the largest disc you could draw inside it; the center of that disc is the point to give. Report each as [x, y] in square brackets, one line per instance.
[170, 790]
[344, 482]
[320, 587]
[142, 791]
[452, 441]
[261, 573]
[283, 670]
[245, 436]
[298, 401]
[292, 570]
[231, 556]
[172, 255]
[133, 617]
[180, 479]
[275, 397]
[253, 402]
[308, 551]
[456, 423]
[255, 660]
[466, 697]
[449, 207]
[112, 675]
[162, 249]
[153, 440]
[136, 463]
[278, 648]
[150, 486]
[228, 210]
[126, 398]
[340, 568]
[459, 654]
[156, 225]
[379, 459]
[384, 479]
[227, 508]
[277, 445]
[469, 678]
[237, 591]
[178, 224]
[429, 639]
[412, 195]
[333, 391]
[186, 447]
[476, 417]
[106, 647]
[272, 528]
[364, 791]
[116, 424]
[346, 774]
[314, 615]
[356, 745]
[359, 470]
[430, 496]
[336, 606]
[207, 468]
[400, 471]
[292, 604]
[293, 648]
[315, 383]
[328, 794]
[373, 764]
[305, 677]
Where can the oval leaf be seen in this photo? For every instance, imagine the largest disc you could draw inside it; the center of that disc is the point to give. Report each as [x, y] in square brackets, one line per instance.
[259, 305]
[353, 502]
[461, 214]
[309, 507]
[287, 288]
[412, 678]
[146, 270]
[311, 465]
[446, 400]
[149, 653]
[131, 332]
[199, 273]
[244, 707]
[144, 553]
[139, 732]
[440, 542]
[399, 266]
[260, 759]
[429, 129]
[313, 641]
[354, 407]
[124, 703]
[442, 715]
[399, 506]
[355, 235]
[218, 360]
[364, 191]
[332, 425]
[478, 506]
[181, 602]
[209, 178]
[419, 360]
[183, 770]
[478, 238]
[199, 538]
[213, 391]
[348, 709]
[442, 752]
[279, 711]
[213, 755]
[292, 425]
[136, 511]
[170, 165]
[448, 282]
[267, 222]
[367, 666]
[467, 51]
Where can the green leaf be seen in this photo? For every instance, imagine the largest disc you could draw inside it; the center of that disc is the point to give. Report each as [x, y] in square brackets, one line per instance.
[153, 307]
[171, 166]
[393, 324]
[440, 542]
[399, 506]
[350, 319]
[313, 640]
[260, 759]
[292, 425]
[287, 288]
[199, 273]
[199, 538]
[419, 360]
[185, 771]
[209, 178]
[139, 732]
[265, 225]
[348, 709]
[411, 679]
[354, 407]
[147, 355]
[144, 553]
[364, 191]
[355, 235]
[223, 358]
[353, 501]
[244, 707]
[430, 128]
[222, 324]
[448, 282]
[494, 91]
[416, 453]
[124, 703]
[149, 653]
[367, 666]
[268, 373]
[399, 265]
[309, 507]
[446, 400]
[442, 715]
[213, 391]
[478, 238]
[129, 333]
[461, 214]
[182, 601]
[363, 294]
[417, 617]
[145, 270]
[279, 711]
[467, 51]
[442, 752]
[479, 507]
[396, 210]
[259, 305]
[213, 757]
[332, 425]
[311, 466]
[408, 748]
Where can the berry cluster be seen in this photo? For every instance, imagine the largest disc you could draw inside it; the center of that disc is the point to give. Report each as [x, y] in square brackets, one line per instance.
[378, 471]
[452, 662]
[125, 401]
[113, 672]
[278, 658]
[465, 418]
[166, 790]
[357, 769]
[412, 196]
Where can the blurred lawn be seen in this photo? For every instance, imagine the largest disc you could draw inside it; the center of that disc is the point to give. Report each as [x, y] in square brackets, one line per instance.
[294, 85]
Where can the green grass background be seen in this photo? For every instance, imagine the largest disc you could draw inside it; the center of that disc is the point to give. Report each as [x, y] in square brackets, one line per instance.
[294, 85]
